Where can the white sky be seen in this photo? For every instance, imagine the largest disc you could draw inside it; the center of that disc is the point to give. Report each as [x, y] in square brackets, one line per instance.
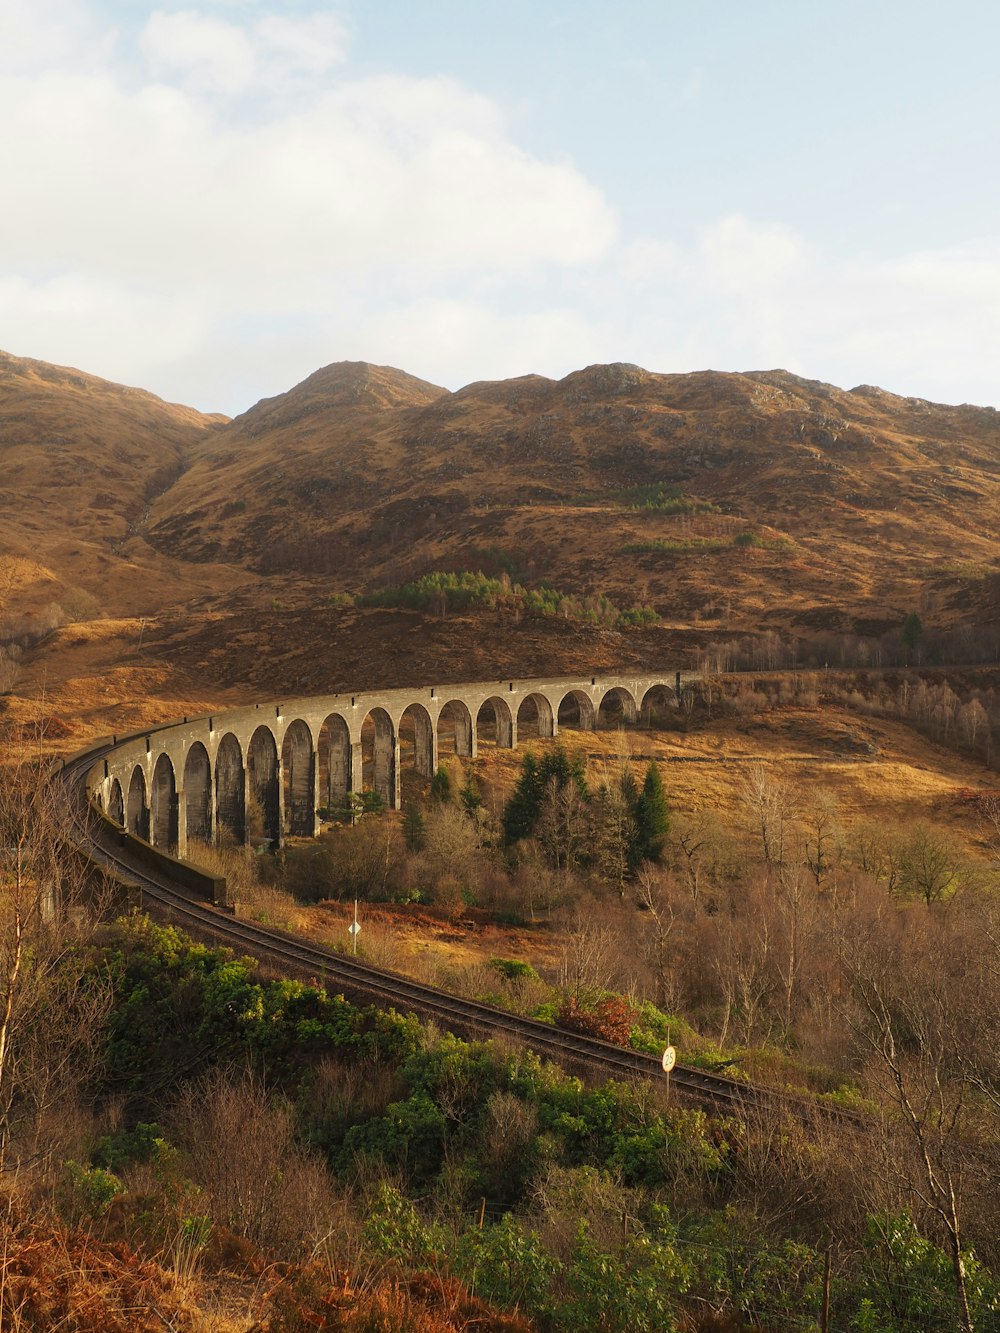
[213, 199]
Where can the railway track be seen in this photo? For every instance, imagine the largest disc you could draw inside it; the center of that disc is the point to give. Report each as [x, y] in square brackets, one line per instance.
[290, 955]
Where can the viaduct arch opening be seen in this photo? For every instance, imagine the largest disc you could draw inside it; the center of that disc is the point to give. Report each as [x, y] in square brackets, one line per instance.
[656, 704]
[198, 794]
[116, 803]
[230, 790]
[263, 816]
[298, 766]
[495, 723]
[380, 756]
[417, 750]
[535, 716]
[456, 732]
[335, 763]
[576, 710]
[137, 809]
[163, 805]
[617, 708]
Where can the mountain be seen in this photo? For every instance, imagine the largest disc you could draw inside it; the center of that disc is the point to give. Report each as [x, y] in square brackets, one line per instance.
[758, 497]
[80, 461]
[730, 503]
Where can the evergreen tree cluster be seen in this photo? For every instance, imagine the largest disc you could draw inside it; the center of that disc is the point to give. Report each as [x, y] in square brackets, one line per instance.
[445, 590]
[626, 824]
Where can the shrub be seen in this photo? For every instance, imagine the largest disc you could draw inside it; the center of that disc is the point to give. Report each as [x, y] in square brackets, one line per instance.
[610, 1019]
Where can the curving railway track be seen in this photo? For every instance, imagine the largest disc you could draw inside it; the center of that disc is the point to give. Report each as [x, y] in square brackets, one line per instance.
[293, 956]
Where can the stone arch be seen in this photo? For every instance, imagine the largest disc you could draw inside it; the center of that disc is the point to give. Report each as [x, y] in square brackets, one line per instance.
[417, 750]
[657, 703]
[576, 709]
[230, 789]
[380, 756]
[264, 786]
[198, 793]
[535, 709]
[163, 804]
[617, 707]
[116, 803]
[335, 768]
[458, 727]
[495, 723]
[137, 807]
[298, 766]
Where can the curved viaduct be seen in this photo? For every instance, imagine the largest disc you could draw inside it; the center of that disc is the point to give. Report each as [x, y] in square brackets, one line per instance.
[269, 769]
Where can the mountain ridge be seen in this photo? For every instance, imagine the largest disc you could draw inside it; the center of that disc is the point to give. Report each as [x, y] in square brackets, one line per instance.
[730, 502]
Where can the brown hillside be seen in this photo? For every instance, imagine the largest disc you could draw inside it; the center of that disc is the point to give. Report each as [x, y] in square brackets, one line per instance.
[80, 461]
[731, 503]
[855, 506]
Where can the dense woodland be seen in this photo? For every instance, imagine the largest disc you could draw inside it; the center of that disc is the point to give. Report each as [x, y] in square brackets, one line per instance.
[168, 1115]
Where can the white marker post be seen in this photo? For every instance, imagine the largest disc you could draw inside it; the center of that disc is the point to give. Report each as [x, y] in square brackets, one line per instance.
[668, 1062]
[354, 930]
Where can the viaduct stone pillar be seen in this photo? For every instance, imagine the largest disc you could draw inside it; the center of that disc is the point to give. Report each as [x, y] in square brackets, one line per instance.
[314, 790]
[247, 789]
[179, 821]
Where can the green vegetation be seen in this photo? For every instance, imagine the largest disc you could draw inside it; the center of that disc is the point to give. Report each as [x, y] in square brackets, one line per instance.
[912, 631]
[687, 545]
[676, 545]
[652, 818]
[662, 497]
[973, 570]
[464, 590]
[608, 1207]
[539, 779]
[754, 539]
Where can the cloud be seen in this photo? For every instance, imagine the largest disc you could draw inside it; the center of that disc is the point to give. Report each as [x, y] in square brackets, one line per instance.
[205, 52]
[213, 203]
[747, 295]
[168, 183]
[38, 35]
[273, 53]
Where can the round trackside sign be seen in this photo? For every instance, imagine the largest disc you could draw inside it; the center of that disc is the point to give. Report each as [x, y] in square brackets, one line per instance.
[669, 1059]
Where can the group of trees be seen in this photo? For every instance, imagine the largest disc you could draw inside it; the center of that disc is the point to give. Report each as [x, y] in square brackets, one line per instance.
[911, 643]
[441, 592]
[616, 828]
[962, 714]
[471, 840]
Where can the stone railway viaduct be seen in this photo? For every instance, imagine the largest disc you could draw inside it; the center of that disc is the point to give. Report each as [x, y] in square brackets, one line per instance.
[282, 763]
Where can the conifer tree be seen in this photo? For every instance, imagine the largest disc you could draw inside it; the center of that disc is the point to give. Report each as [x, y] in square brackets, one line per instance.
[555, 770]
[521, 811]
[652, 816]
[441, 785]
[414, 828]
[469, 793]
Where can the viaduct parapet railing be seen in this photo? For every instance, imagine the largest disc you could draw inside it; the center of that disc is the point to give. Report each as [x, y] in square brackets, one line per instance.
[269, 769]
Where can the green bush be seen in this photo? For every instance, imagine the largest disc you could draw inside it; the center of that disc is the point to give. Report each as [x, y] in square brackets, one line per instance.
[88, 1190]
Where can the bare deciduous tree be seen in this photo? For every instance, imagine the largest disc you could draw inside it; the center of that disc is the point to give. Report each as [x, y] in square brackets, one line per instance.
[770, 807]
[909, 1017]
[51, 1007]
